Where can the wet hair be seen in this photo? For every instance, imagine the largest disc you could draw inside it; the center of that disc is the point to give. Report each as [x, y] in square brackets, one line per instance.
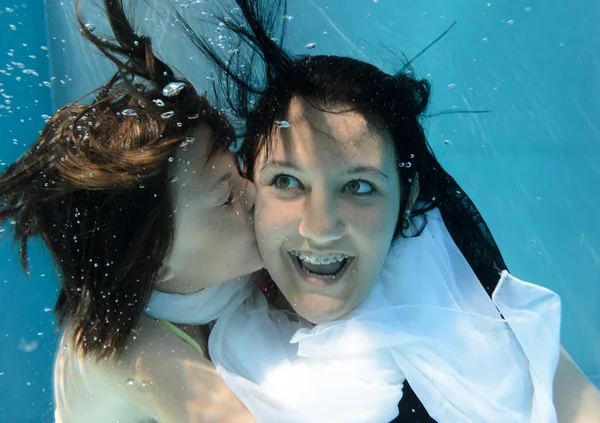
[259, 81]
[94, 187]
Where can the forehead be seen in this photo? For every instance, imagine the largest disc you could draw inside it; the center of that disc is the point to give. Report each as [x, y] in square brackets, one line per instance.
[190, 162]
[334, 137]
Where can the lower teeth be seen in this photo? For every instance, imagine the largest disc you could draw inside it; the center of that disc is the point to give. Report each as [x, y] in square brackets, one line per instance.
[317, 275]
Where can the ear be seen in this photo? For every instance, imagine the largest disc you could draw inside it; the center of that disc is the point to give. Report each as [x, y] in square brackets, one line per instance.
[414, 193]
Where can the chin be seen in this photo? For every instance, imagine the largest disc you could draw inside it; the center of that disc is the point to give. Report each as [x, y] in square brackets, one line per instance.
[320, 310]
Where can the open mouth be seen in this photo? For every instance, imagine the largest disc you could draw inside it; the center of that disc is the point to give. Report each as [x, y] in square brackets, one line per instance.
[321, 270]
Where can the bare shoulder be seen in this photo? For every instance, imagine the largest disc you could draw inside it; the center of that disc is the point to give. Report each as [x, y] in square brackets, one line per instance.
[170, 380]
[576, 399]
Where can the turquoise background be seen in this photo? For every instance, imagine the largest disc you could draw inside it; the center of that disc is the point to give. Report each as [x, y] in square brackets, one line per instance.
[531, 165]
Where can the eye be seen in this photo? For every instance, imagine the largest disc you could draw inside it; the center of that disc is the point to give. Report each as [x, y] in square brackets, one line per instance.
[230, 199]
[359, 187]
[285, 182]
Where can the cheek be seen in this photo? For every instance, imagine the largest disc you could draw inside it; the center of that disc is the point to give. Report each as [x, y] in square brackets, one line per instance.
[274, 217]
[374, 223]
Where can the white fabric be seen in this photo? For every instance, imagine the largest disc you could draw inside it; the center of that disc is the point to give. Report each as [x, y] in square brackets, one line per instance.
[198, 308]
[427, 319]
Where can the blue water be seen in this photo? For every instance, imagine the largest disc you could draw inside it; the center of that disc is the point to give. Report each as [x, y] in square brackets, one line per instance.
[530, 165]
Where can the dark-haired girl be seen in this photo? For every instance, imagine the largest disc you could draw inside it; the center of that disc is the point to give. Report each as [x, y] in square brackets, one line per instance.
[393, 302]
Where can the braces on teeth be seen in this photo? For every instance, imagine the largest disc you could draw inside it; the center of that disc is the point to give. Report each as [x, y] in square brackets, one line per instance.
[327, 260]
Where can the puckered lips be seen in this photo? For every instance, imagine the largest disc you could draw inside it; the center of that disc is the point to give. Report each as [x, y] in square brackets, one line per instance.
[321, 269]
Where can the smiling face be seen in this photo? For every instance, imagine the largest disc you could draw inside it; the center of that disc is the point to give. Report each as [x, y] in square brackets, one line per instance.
[327, 203]
[214, 237]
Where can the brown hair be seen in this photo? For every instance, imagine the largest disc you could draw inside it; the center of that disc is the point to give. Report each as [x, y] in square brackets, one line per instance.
[94, 186]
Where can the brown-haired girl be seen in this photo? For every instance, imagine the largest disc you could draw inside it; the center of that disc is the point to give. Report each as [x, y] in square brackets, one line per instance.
[139, 201]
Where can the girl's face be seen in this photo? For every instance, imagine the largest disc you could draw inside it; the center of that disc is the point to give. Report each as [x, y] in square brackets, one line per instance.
[327, 203]
[214, 234]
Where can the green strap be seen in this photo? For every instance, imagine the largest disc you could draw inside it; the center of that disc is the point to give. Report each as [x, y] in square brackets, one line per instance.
[184, 336]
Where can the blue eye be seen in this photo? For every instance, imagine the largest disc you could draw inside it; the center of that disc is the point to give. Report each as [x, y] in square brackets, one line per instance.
[285, 182]
[359, 187]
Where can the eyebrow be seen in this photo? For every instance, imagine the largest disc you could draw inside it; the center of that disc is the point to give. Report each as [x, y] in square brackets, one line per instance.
[281, 163]
[224, 177]
[353, 171]
[366, 169]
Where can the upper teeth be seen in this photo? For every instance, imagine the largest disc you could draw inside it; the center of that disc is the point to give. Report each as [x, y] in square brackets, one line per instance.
[330, 258]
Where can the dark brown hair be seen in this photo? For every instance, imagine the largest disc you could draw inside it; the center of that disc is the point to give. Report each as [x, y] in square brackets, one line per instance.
[94, 186]
[259, 79]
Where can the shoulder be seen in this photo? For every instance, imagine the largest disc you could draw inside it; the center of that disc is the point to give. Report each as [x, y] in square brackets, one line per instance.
[140, 381]
[576, 399]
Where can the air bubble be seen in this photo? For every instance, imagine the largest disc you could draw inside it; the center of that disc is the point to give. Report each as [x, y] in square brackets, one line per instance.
[172, 89]
[283, 124]
[159, 102]
[167, 115]
[311, 45]
[129, 112]
[90, 27]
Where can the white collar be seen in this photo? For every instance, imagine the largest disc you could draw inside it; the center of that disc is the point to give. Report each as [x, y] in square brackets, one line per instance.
[199, 307]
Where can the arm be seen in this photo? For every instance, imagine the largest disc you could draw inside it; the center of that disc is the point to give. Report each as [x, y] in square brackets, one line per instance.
[576, 399]
[173, 383]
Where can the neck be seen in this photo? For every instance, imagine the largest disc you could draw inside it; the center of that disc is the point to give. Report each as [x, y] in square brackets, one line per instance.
[281, 303]
[172, 284]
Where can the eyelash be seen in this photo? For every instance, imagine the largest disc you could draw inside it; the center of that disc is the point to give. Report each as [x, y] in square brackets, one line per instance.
[366, 194]
[229, 200]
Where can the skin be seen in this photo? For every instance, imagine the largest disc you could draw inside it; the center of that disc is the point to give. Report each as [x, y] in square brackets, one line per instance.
[158, 377]
[214, 236]
[576, 399]
[330, 186]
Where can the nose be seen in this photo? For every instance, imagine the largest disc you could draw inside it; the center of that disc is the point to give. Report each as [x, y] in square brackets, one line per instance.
[321, 222]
